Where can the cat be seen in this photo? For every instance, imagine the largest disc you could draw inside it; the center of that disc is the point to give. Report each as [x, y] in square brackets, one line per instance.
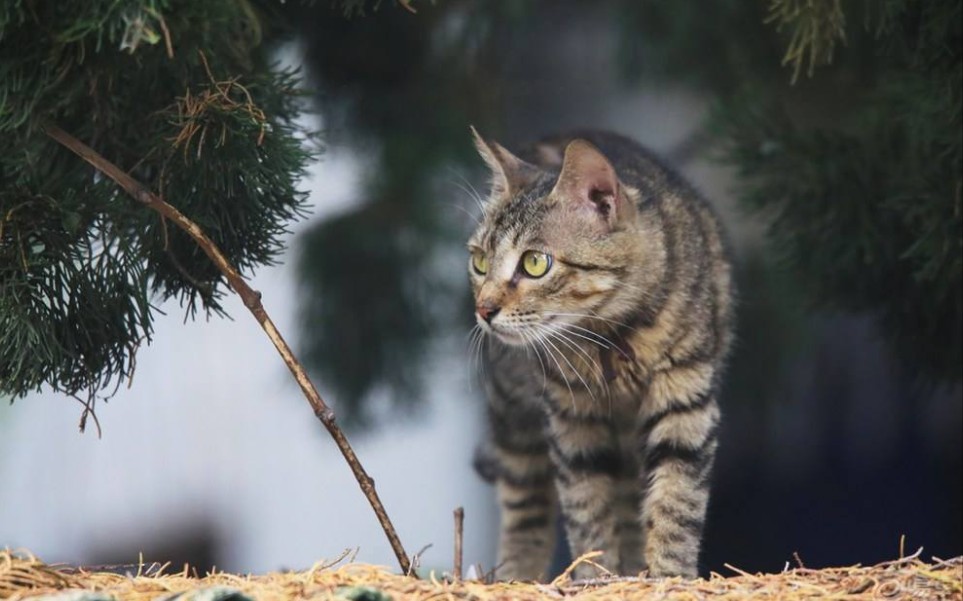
[602, 284]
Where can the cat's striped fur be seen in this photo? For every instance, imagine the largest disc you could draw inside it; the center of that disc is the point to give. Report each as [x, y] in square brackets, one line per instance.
[602, 374]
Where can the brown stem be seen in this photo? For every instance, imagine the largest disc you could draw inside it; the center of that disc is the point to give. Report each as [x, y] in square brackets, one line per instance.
[252, 300]
[459, 537]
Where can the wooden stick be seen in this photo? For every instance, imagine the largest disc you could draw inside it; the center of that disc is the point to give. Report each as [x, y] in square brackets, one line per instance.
[459, 533]
[252, 300]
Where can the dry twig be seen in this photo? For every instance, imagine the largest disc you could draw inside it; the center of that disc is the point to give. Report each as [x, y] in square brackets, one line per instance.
[252, 300]
[459, 534]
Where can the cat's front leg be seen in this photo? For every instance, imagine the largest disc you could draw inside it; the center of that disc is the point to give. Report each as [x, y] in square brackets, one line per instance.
[516, 459]
[587, 462]
[526, 496]
[679, 438]
[629, 503]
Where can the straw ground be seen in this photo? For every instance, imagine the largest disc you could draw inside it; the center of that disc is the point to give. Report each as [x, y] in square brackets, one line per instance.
[23, 576]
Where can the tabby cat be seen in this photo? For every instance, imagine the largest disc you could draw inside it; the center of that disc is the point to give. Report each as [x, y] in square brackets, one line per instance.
[602, 284]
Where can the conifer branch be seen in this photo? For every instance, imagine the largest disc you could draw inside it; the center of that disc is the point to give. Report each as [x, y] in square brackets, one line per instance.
[252, 300]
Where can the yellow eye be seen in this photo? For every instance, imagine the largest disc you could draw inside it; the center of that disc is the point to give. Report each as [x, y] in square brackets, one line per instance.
[479, 262]
[535, 263]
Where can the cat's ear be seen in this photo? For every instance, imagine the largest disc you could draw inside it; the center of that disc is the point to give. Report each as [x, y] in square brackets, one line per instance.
[588, 180]
[509, 173]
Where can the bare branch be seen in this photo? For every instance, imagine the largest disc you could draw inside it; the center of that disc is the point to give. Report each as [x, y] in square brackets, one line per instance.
[252, 300]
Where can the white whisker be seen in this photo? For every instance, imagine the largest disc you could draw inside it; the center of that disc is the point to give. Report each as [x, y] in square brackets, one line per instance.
[469, 189]
[473, 336]
[609, 344]
[544, 329]
[478, 339]
[593, 337]
[542, 341]
[463, 210]
[598, 317]
[594, 363]
[529, 341]
[588, 359]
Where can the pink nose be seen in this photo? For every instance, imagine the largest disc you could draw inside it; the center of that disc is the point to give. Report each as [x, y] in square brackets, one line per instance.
[487, 311]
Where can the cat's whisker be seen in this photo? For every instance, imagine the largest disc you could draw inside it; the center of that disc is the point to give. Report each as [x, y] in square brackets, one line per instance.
[594, 314]
[588, 316]
[609, 344]
[572, 344]
[589, 360]
[540, 338]
[566, 359]
[589, 335]
[598, 317]
[463, 210]
[477, 340]
[482, 353]
[469, 189]
[529, 340]
[592, 337]
[477, 196]
[471, 341]
[528, 344]
[472, 335]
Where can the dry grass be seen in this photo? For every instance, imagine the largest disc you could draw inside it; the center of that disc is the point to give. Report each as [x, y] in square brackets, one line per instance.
[23, 576]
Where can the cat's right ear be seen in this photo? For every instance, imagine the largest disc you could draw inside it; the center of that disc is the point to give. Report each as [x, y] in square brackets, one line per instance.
[509, 173]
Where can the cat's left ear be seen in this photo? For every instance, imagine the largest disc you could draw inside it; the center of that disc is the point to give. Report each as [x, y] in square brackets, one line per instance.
[509, 173]
[588, 180]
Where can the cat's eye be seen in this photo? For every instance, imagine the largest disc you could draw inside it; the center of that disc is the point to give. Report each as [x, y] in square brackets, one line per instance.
[479, 262]
[535, 263]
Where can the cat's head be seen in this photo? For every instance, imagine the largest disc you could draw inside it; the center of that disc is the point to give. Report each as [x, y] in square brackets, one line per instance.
[555, 247]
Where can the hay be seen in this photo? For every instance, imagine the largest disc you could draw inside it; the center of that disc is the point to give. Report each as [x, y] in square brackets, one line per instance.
[23, 576]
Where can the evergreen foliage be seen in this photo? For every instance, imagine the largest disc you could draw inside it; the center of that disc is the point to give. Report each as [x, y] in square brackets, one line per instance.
[868, 215]
[816, 27]
[373, 298]
[841, 119]
[858, 169]
[180, 94]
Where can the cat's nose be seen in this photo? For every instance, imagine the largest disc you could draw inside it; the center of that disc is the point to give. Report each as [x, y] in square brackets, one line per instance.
[488, 311]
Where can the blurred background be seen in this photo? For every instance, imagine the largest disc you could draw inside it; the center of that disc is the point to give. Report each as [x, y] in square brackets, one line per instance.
[843, 405]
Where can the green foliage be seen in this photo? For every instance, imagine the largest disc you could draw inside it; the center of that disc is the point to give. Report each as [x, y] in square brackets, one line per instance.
[816, 27]
[859, 233]
[869, 215]
[181, 95]
[858, 170]
[72, 308]
[708, 45]
[250, 163]
[373, 300]
[365, 299]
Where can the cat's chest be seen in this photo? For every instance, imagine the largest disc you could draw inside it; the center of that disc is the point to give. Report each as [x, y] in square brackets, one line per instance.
[609, 380]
